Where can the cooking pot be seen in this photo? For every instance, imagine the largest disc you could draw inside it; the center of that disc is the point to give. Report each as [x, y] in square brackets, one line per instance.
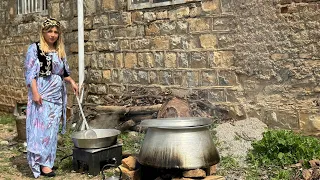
[183, 143]
[105, 138]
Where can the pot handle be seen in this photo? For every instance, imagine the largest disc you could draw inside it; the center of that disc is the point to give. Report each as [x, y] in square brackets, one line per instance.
[110, 165]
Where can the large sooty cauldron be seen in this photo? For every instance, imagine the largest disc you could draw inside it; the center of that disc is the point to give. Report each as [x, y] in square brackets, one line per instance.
[183, 143]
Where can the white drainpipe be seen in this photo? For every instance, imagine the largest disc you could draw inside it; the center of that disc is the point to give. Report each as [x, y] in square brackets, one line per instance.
[80, 45]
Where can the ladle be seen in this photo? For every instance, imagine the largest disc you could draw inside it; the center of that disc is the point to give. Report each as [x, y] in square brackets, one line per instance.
[88, 133]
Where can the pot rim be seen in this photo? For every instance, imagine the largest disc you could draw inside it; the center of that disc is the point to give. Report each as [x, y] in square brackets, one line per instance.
[174, 123]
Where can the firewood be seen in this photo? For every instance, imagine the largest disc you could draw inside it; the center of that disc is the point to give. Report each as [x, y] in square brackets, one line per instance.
[130, 110]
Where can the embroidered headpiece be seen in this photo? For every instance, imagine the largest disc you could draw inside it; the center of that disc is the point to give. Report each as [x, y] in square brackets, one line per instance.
[50, 22]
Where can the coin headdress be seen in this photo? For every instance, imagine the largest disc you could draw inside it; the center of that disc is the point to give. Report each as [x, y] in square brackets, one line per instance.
[50, 22]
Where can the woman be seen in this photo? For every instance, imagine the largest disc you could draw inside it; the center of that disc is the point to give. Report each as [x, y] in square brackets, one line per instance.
[46, 71]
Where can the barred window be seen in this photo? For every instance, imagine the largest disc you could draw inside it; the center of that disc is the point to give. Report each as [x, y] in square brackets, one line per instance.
[141, 4]
[31, 6]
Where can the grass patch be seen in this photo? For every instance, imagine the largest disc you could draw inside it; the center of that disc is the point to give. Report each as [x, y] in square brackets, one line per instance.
[277, 150]
[131, 141]
[7, 119]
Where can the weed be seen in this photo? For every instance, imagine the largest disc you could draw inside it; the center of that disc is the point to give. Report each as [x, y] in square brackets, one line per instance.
[279, 149]
[7, 119]
[131, 142]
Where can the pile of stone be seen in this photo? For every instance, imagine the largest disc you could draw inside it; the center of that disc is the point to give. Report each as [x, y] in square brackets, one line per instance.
[131, 169]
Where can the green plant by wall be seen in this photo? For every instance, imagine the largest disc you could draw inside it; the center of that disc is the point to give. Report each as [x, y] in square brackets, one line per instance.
[283, 148]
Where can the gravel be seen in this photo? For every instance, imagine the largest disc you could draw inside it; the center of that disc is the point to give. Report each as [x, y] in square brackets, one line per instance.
[235, 138]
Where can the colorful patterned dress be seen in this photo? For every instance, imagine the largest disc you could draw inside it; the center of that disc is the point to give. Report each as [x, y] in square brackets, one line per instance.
[42, 123]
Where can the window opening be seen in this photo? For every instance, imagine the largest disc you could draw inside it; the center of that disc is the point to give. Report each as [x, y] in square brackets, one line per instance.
[31, 6]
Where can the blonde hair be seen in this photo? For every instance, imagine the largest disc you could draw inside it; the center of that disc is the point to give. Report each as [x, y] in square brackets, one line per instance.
[58, 45]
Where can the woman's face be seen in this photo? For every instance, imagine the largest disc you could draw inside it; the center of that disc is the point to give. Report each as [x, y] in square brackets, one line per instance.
[51, 36]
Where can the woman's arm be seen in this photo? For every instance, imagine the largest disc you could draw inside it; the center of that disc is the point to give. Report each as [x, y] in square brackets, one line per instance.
[35, 94]
[74, 85]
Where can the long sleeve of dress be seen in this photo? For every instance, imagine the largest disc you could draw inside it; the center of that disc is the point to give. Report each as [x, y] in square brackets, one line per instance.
[31, 64]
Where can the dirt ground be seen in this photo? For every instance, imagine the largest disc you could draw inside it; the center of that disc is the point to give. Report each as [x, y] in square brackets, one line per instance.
[13, 162]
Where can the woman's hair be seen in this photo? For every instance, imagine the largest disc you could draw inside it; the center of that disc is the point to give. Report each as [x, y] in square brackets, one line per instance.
[59, 45]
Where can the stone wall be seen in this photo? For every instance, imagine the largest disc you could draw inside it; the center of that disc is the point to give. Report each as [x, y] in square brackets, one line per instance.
[255, 58]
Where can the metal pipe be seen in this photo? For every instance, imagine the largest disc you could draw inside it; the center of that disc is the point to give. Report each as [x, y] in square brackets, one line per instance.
[80, 43]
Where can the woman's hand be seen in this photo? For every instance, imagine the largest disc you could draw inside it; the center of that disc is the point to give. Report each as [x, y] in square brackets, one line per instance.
[37, 98]
[75, 88]
[35, 94]
[74, 85]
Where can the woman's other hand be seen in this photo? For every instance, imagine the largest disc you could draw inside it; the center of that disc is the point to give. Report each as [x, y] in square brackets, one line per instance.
[35, 94]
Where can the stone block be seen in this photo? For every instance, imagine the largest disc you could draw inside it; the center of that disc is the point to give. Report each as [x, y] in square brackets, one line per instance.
[119, 61]
[167, 27]
[182, 27]
[183, 60]
[126, 32]
[106, 74]
[211, 6]
[208, 41]
[55, 10]
[130, 163]
[160, 43]
[105, 33]
[109, 60]
[178, 77]
[140, 44]
[309, 121]
[109, 4]
[100, 21]
[165, 78]
[153, 77]
[101, 89]
[162, 15]
[170, 60]
[137, 16]
[175, 43]
[146, 60]
[102, 46]
[279, 56]
[195, 11]
[94, 76]
[65, 9]
[214, 177]
[130, 77]
[89, 7]
[120, 18]
[287, 119]
[116, 89]
[196, 173]
[142, 77]
[178, 13]
[89, 47]
[209, 78]
[152, 29]
[149, 16]
[124, 44]
[227, 78]
[198, 59]
[223, 59]
[191, 79]
[93, 35]
[113, 45]
[73, 47]
[132, 175]
[130, 60]
[199, 24]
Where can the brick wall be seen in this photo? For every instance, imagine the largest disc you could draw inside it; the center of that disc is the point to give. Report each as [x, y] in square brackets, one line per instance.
[254, 58]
